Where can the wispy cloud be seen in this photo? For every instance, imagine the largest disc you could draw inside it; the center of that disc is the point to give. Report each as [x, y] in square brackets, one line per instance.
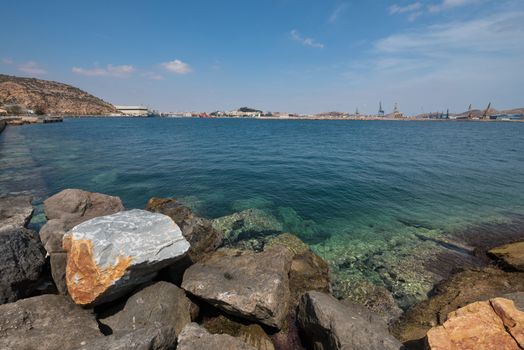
[460, 55]
[396, 9]
[121, 71]
[337, 12]
[153, 76]
[499, 34]
[413, 10]
[296, 36]
[32, 68]
[177, 66]
[449, 4]
[7, 61]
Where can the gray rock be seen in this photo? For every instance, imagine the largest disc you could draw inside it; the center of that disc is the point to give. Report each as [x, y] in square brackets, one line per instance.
[58, 263]
[251, 285]
[22, 259]
[71, 207]
[198, 231]
[160, 304]
[195, 337]
[163, 338]
[327, 324]
[47, 322]
[74, 206]
[110, 255]
[15, 212]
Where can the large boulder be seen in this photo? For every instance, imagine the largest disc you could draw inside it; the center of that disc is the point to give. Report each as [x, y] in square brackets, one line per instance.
[254, 286]
[160, 304]
[198, 231]
[47, 322]
[75, 206]
[64, 210]
[155, 338]
[71, 207]
[110, 255]
[22, 260]
[483, 325]
[327, 324]
[15, 212]
[195, 337]
[511, 255]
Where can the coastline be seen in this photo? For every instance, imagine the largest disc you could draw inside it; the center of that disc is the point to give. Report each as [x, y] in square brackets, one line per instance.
[242, 272]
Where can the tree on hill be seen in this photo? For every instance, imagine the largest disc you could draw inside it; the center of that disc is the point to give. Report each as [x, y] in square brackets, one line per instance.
[249, 110]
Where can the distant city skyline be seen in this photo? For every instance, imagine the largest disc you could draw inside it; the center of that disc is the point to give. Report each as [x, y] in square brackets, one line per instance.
[283, 55]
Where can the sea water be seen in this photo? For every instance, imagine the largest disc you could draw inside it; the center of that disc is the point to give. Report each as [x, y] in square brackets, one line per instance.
[361, 193]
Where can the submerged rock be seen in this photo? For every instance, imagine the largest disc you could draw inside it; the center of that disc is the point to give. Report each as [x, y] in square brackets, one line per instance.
[254, 286]
[64, 210]
[22, 260]
[511, 255]
[198, 231]
[15, 212]
[160, 304]
[47, 322]
[195, 337]
[327, 324]
[484, 325]
[246, 224]
[155, 338]
[251, 334]
[109, 255]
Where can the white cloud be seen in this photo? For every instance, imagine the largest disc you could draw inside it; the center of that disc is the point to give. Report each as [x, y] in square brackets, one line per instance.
[339, 10]
[449, 4]
[177, 66]
[109, 71]
[32, 68]
[7, 61]
[397, 9]
[295, 35]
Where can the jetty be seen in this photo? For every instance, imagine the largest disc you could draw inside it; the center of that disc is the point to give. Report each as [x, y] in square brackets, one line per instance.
[22, 120]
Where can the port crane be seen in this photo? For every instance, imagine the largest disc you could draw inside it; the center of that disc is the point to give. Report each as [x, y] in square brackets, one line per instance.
[486, 112]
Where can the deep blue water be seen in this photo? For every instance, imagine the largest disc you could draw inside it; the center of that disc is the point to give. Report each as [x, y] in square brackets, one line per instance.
[332, 182]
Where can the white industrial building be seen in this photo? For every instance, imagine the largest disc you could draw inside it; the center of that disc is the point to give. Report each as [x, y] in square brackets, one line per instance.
[133, 111]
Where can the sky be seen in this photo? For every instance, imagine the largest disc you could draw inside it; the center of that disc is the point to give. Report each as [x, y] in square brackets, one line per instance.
[300, 56]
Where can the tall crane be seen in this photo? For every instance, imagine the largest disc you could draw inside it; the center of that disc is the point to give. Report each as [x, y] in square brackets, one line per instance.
[486, 111]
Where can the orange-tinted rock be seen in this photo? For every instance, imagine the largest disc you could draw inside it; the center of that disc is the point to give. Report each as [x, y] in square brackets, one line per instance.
[85, 279]
[484, 325]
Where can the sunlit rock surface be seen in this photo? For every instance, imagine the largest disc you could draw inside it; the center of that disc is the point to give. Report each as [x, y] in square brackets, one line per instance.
[109, 255]
[484, 325]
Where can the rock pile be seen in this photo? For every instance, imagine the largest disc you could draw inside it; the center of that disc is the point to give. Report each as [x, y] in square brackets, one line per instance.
[161, 279]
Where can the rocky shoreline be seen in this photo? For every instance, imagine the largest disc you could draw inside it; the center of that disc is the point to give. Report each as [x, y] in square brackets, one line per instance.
[98, 276]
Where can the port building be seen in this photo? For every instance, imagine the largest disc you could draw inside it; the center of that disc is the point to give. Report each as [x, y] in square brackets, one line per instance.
[133, 111]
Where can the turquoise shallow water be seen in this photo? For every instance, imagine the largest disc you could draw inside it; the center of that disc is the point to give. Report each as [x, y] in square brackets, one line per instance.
[347, 188]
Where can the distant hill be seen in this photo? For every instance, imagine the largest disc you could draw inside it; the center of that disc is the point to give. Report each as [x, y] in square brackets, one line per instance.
[50, 97]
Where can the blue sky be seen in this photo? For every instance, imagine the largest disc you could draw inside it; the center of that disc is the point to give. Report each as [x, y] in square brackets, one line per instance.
[283, 55]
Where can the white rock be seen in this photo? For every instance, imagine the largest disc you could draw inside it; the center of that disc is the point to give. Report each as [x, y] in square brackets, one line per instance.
[111, 254]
